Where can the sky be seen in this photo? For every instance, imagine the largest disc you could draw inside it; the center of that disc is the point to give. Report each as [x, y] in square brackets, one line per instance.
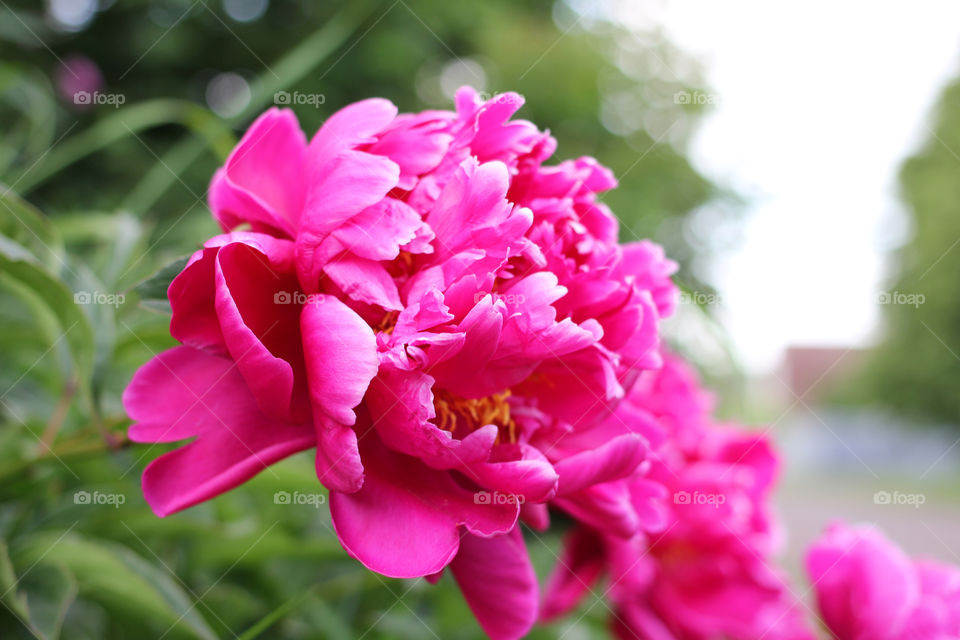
[816, 105]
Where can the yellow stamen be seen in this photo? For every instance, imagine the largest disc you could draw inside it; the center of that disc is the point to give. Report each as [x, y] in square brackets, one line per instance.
[388, 323]
[472, 413]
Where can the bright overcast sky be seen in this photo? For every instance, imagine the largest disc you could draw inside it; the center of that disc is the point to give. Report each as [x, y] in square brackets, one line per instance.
[818, 103]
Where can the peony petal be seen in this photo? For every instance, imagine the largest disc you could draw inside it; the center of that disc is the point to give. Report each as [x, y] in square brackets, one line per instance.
[519, 471]
[364, 281]
[352, 126]
[186, 392]
[498, 582]
[194, 316]
[577, 571]
[605, 507]
[615, 459]
[260, 325]
[404, 521]
[378, 232]
[262, 182]
[341, 360]
[401, 408]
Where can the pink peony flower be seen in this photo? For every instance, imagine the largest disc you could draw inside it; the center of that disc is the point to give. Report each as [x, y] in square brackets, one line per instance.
[868, 588]
[444, 319]
[702, 569]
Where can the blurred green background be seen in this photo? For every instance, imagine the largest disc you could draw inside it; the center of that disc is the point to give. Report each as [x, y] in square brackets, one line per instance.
[115, 116]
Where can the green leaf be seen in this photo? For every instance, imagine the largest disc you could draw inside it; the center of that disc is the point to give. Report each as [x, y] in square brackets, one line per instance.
[124, 122]
[20, 266]
[153, 290]
[49, 591]
[25, 224]
[9, 595]
[118, 579]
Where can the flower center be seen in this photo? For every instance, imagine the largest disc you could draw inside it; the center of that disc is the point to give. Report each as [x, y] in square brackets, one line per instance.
[463, 416]
[387, 324]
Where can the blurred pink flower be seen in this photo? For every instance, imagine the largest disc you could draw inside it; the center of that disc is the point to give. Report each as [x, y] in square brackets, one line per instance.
[702, 570]
[77, 78]
[867, 588]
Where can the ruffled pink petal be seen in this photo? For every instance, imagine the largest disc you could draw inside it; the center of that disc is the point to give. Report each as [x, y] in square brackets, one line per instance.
[404, 521]
[339, 189]
[578, 569]
[343, 181]
[378, 232]
[460, 374]
[401, 408]
[519, 471]
[185, 392]
[498, 582]
[364, 280]
[262, 182]
[194, 319]
[416, 142]
[605, 507]
[470, 205]
[341, 360]
[578, 388]
[260, 324]
[613, 460]
[354, 125]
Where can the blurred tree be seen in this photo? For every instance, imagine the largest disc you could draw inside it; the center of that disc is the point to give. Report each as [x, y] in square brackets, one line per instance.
[915, 370]
[601, 89]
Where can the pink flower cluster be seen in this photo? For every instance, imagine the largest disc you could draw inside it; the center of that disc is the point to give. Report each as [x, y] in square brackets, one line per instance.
[455, 329]
[701, 568]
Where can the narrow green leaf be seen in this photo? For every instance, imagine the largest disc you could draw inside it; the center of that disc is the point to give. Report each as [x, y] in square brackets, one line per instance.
[9, 595]
[49, 591]
[26, 225]
[119, 579]
[18, 264]
[153, 290]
